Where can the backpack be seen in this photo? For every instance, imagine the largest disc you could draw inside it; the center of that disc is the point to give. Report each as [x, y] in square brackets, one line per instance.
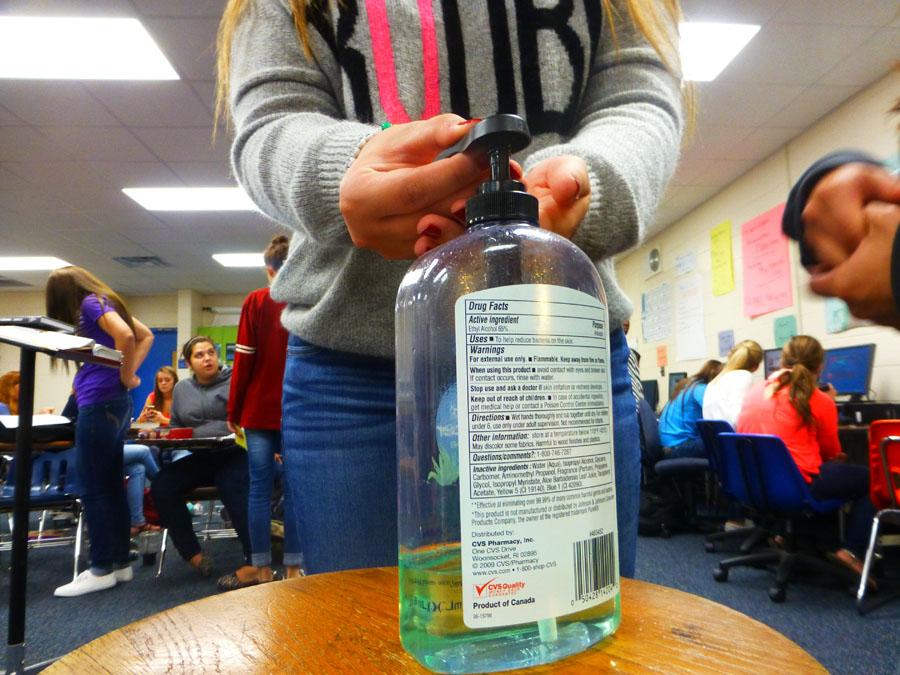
[663, 510]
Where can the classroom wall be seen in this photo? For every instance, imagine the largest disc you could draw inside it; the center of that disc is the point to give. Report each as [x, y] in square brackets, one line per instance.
[52, 386]
[862, 123]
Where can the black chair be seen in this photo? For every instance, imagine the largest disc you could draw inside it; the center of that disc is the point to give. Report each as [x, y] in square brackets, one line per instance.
[752, 536]
[668, 476]
[760, 473]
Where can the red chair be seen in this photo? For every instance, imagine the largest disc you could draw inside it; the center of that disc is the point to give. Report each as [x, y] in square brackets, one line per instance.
[884, 491]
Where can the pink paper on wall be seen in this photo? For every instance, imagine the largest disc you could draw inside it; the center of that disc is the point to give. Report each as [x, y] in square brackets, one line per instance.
[766, 263]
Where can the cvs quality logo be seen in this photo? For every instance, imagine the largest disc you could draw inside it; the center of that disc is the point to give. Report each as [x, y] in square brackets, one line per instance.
[493, 589]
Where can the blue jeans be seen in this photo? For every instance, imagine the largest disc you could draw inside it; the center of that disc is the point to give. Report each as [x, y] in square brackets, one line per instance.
[339, 430]
[340, 456]
[627, 443]
[692, 447]
[99, 439]
[262, 444]
[140, 464]
[837, 480]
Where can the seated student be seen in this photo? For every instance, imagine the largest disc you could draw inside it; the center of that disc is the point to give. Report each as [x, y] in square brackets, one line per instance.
[200, 403]
[9, 393]
[158, 407]
[725, 394]
[789, 404]
[138, 464]
[678, 422]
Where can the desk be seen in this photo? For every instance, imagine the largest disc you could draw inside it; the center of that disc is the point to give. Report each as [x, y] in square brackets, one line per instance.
[347, 622]
[855, 442]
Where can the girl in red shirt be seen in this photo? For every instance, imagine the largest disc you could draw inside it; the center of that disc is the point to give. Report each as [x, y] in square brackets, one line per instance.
[790, 405]
[254, 403]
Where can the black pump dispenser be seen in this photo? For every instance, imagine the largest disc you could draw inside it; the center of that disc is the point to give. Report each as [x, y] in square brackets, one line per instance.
[500, 198]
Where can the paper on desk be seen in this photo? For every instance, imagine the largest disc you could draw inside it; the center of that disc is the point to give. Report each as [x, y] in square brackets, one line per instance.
[12, 421]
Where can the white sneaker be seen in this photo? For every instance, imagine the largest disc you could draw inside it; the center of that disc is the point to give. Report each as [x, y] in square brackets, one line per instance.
[86, 583]
[124, 574]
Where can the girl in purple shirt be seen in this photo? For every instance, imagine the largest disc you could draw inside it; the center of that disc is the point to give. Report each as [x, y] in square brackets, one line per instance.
[76, 296]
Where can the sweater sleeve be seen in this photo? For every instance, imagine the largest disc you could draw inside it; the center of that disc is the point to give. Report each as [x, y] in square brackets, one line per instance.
[244, 358]
[792, 218]
[825, 414]
[291, 148]
[628, 133]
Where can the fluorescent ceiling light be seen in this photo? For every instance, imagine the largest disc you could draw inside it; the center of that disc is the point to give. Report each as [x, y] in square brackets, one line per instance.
[192, 199]
[68, 48]
[706, 48]
[239, 259]
[30, 263]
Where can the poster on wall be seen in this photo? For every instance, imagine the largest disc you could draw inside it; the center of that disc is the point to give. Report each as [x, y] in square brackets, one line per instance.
[662, 356]
[766, 264]
[785, 328]
[722, 261]
[685, 263]
[838, 317]
[726, 342]
[656, 313]
[690, 336]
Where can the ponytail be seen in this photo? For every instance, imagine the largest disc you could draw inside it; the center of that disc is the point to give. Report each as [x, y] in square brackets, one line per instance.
[802, 356]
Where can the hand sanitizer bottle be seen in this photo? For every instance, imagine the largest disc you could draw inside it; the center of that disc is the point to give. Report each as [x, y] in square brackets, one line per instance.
[507, 511]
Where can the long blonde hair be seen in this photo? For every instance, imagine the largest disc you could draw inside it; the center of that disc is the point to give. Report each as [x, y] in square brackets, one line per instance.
[746, 355]
[656, 20]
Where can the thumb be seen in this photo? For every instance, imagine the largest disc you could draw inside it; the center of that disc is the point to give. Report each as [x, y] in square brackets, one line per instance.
[879, 185]
[568, 180]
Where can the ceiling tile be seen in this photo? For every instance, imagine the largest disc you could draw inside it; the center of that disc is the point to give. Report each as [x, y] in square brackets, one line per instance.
[745, 11]
[759, 143]
[23, 144]
[153, 104]
[732, 104]
[135, 174]
[815, 102]
[793, 53]
[714, 141]
[179, 8]
[7, 119]
[203, 174]
[189, 44]
[872, 60]
[104, 242]
[838, 12]
[700, 171]
[175, 144]
[31, 202]
[206, 90]
[45, 103]
[64, 7]
[98, 144]
[9, 179]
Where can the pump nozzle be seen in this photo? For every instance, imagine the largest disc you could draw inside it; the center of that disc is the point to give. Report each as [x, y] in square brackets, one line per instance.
[500, 198]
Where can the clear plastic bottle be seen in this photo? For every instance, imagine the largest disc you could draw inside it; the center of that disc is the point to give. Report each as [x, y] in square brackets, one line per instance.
[452, 615]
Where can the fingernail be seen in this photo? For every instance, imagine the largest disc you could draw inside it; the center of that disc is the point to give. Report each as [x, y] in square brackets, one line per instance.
[515, 171]
[579, 193]
[432, 231]
[474, 120]
[460, 214]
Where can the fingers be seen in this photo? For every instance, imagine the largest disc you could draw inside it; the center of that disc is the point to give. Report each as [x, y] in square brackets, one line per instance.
[435, 230]
[416, 189]
[879, 185]
[417, 142]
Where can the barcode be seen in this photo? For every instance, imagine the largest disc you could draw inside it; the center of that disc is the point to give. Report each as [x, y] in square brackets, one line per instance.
[595, 564]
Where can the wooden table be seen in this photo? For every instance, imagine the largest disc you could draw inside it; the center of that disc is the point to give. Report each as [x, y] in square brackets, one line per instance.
[347, 622]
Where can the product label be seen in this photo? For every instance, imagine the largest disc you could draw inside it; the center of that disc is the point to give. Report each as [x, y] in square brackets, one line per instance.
[537, 489]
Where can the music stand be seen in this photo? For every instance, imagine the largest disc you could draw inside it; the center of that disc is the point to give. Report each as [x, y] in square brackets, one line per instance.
[15, 643]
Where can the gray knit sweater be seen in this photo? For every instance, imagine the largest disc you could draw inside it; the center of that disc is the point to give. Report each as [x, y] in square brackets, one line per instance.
[300, 122]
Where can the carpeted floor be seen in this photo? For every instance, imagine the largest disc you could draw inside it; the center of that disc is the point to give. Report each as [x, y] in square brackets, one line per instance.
[822, 620]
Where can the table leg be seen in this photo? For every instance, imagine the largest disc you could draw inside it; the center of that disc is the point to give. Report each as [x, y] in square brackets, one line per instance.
[15, 643]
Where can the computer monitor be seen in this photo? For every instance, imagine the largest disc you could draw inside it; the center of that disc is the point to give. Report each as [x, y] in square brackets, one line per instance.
[849, 370]
[651, 392]
[772, 360]
[674, 379]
